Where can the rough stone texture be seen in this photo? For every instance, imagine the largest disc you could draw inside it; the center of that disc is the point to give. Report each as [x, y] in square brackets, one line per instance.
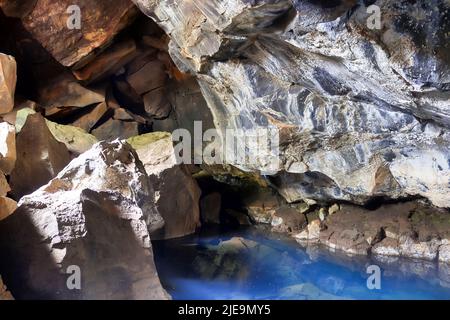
[39, 156]
[91, 118]
[4, 293]
[289, 220]
[179, 194]
[7, 147]
[100, 21]
[96, 214]
[8, 78]
[409, 229]
[361, 113]
[7, 207]
[116, 129]
[4, 186]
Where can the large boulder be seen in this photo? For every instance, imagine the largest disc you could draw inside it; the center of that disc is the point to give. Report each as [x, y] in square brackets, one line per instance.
[8, 78]
[178, 192]
[40, 156]
[94, 218]
[358, 116]
[70, 43]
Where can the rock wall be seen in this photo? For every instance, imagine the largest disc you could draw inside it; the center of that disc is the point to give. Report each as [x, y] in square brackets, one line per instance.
[361, 112]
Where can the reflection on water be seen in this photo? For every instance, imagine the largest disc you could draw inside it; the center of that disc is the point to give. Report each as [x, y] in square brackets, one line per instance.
[254, 264]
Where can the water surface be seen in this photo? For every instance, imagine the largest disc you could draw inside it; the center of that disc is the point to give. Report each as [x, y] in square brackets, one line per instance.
[254, 264]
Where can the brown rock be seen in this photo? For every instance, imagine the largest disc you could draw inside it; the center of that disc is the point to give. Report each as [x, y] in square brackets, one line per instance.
[116, 129]
[65, 91]
[100, 21]
[210, 206]
[8, 78]
[7, 207]
[40, 157]
[108, 62]
[286, 219]
[261, 205]
[4, 293]
[7, 147]
[151, 76]
[17, 8]
[4, 186]
[90, 119]
[156, 103]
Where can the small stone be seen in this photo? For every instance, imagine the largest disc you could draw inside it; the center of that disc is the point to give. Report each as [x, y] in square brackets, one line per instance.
[387, 247]
[322, 214]
[8, 78]
[4, 186]
[142, 83]
[156, 103]
[333, 209]
[288, 220]
[444, 253]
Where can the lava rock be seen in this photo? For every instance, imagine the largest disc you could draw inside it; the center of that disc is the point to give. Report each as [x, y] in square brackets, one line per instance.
[8, 78]
[40, 157]
[95, 215]
[179, 193]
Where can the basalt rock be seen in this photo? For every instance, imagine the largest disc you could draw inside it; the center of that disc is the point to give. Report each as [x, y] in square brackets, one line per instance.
[94, 217]
[179, 194]
[8, 78]
[360, 112]
[410, 229]
[72, 44]
[40, 157]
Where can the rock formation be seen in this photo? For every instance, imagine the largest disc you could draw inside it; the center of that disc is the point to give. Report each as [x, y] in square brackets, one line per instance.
[96, 215]
[359, 116]
[178, 193]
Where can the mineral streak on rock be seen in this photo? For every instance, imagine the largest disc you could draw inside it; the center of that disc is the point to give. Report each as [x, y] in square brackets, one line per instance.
[361, 113]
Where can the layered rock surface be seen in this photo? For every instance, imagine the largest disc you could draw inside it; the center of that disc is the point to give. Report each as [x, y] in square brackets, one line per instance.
[358, 115]
[94, 216]
[178, 194]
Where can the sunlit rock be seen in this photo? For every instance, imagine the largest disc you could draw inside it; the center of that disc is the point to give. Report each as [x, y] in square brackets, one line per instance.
[178, 193]
[8, 78]
[96, 215]
[7, 147]
[40, 156]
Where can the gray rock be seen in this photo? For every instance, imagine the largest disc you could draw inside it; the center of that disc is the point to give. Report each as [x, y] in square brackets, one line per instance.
[96, 215]
[358, 115]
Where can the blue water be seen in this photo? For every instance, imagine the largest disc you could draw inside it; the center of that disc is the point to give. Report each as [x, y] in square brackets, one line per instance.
[255, 264]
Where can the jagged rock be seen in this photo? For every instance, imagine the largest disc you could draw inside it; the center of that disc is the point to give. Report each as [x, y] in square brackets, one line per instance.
[8, 78]
[113, 129]
[311, 233]
[359, 116]
[289, 220]
[142, 83]
[64, 91]
[4, 186]
[4, 293]
[210, 206]
[179, 194]
[7, 207]
[7, 147]
[156, 103]
[261, 206]
[100, 22]
[409, 229]
[108, 62]
[39, 156]
[75, 139]
[90, 119]
[96, 214]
